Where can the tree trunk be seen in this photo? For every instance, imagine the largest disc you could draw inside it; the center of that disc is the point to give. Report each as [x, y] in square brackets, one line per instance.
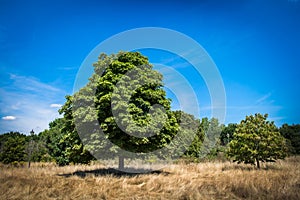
[257, 163]
[121, 163]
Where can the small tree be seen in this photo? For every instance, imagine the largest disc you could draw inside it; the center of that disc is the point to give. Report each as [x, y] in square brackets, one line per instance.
[255, 139]
[227, 133]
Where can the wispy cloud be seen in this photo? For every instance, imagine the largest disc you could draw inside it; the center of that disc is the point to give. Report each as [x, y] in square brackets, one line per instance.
[9, 117]
[171, 59]
[178, 61]
[263, 98]
[31, 100]
[55, 105]
[31, 84]
[276, 118]
[249, 105]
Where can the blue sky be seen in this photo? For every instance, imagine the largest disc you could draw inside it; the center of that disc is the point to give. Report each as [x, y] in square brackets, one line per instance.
[255, 45]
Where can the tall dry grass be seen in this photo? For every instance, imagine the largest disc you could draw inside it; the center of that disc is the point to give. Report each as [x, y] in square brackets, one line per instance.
[210, 180]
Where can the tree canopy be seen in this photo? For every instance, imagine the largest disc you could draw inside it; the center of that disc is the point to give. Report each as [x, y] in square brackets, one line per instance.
[227, 133]
[12, 147]
[123, 106]
[132, 105]
[255, 139]
[292, 134]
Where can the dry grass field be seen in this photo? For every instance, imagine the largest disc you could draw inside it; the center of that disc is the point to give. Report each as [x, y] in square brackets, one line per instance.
[210, 180]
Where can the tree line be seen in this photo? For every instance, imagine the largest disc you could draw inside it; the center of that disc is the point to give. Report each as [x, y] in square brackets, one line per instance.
[54, 145]
[126, 99]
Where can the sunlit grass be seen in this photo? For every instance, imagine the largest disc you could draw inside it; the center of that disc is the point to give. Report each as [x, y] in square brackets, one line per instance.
[209, 180]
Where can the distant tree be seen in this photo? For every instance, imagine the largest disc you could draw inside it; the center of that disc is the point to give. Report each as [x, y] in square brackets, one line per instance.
[204, 125]
[189, 126]
[35, 149]
[12, 147]
[255, 139]
[206, 135]
[52, 138]
[227, 133]
[292, 134]
[211, 130]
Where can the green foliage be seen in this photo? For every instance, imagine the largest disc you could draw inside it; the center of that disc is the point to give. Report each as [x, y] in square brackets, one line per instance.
[292, 134]
[35, 149]
[132, 87]
[12, 147]
[255, 139]
[205, 142]
[227, 133]
[122, 104]
[62, 141]
[124, 87]
[188, 126]
[53, 139]
[17, 148]
[73, 150]
[212, 130]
